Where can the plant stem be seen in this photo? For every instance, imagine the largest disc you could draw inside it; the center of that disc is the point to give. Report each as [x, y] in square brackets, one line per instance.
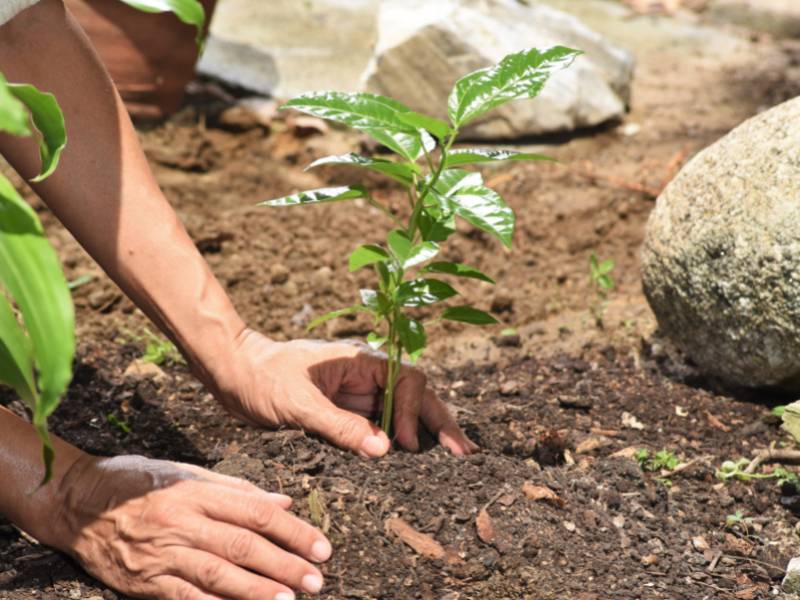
[420, 203]
[395, 354]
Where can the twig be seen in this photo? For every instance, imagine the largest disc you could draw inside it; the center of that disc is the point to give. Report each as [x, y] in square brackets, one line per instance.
[713, 564]
[494, 499]
[753, 560]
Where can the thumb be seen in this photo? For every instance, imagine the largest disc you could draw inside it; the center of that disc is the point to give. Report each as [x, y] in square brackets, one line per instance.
[341, 427]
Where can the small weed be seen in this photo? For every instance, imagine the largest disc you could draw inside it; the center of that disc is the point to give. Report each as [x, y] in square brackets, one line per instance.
[731, 469]
[158, 350]
[663, 459]
[778, 411]
[739, 519]
[118, 423]
[603, 283]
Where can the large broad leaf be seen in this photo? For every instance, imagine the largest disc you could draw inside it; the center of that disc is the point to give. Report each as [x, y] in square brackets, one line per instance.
[517, 76]
[334, 194]
[49, 121]
[402, 172]
[31, 274]
[13, 116]
[486, 210]
[335, 315]
[412, 336]
[423, 292]
[190, 12]
[456, 269]
[366, 255]
[16, 355]
[467, 314]
[375, 115]
[481, 155]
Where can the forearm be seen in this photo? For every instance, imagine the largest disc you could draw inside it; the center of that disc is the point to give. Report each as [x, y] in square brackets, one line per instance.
[105, 193]
[35, 509]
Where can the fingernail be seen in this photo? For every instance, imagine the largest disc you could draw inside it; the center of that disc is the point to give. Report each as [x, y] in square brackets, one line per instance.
[374, 445]
[284, 596]
[311, 583]
[321, 550]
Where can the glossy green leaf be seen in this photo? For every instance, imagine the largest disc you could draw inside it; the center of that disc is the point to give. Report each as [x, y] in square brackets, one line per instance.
[48, 120]
[434, 227]
[375, 340]
[517, 76]
[377, 116]
[467, 314]
[402, 172]
[14, 119]
[335, 314]
[440, 129]
[190, 12]
[319, 196]
[486, 210]
[452, 180]
[375, 301]
[366, 255]
[423, 292]
[30, 272]
[412, 336]
[399, 244]
[481, 155]
[421, 253]
[456, 269]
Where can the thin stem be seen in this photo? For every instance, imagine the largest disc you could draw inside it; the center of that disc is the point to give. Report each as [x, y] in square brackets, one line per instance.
[412, 225]
[395, 353]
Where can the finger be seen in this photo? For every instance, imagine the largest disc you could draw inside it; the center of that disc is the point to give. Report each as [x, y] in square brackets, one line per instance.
[244, 548]
[315, 413]
[408, 395]
[216, 576]
[366, 405]
[268, 519]
[440, 422]
[282, 500]
[175, 588]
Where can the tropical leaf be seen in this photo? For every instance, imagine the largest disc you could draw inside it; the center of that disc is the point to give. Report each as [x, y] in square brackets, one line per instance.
[423, 292]
[190, 12]
[319, 196]
[517, 76]
[402, 172]
[486, 210]
[457, 269]
[48, 120]
[467, 314]
[481, 155]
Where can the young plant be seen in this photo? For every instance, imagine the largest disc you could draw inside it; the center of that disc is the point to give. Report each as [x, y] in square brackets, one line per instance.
[438, 190]
[737, 470]
[603, 283]
[661, 460]
[739, 519]
[37, 322]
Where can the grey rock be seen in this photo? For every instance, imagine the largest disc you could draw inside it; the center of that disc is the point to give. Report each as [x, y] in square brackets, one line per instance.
[791, 582]
[414, 51]
[777, 17]
[721, 257]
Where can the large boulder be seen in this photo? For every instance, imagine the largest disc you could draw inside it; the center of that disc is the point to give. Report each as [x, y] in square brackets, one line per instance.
[415, 50]
[777, 17]
[721, 258]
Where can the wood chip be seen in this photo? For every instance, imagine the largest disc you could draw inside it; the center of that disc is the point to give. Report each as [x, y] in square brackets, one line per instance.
[629, 421]
[628, 452]
[592, 443]
[716, 423]
[541, 493]
[419, 542]
[484, 527]
[700, 544]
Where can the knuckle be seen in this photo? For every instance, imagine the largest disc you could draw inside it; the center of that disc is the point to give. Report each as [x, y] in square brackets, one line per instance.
[209, 573]
[184, 591]
[347, 428]
[263, 515]
[240, 547]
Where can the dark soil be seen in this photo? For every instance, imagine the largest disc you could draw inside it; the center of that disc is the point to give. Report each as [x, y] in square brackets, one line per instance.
[550, 407]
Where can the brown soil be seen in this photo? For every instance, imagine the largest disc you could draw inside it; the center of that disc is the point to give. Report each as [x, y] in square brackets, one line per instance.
[612, 531]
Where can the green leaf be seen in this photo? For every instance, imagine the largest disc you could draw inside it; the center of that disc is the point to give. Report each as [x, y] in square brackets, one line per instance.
[435, 228]
[376, 302]
[480, 155]
[452, 180]
[16, 355]
[375, 340]
[457, 269]
[412, 336]
[377, 116]
[467, 314]
[49, 121]
[30, 272]
[402, 172]
[423, 292]
[366, 255]
[437, 127]
[486, 210]
[190, 12]
[605, 267]
[399, 244]
[14, 118]
[335, 314]
[334, 194]
[420, 253]
[517, 76]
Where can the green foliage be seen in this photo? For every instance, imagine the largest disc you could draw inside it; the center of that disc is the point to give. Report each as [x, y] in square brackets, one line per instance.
[661, 460]
[603, 283]
[190, 12]
[738, 518]
[407, 274]
[115, 421]
[37, 322]
[157, 350]
[737, 469]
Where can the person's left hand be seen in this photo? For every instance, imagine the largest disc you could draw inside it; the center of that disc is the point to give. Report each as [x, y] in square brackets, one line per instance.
[332, 389]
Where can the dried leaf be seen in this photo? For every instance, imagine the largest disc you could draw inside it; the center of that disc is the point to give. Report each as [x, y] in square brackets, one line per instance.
[628, 452]
[316, 506]
[716, 423]
[484, 526]
[541, 493]
[592, 443]
[631, 422]
[419, 542]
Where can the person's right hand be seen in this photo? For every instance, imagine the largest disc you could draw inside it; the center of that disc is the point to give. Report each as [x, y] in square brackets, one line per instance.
[157, 529]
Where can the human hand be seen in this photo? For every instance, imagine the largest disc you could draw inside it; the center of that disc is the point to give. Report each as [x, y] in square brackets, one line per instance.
[157, 529]
[331, 389]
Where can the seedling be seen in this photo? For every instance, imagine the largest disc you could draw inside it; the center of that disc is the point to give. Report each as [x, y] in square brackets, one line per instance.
[737, 470]
[602, 283]
[739, 519]
[661, 460]
[118, 423]
[157, 350]
[438, 190]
